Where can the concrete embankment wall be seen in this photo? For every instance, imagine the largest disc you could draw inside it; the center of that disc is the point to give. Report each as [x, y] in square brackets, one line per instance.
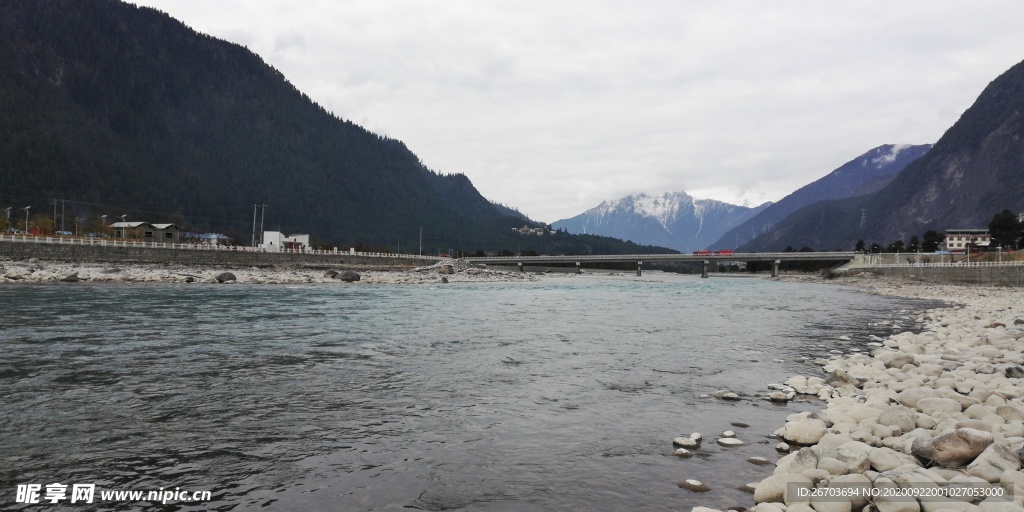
[157, 255]
[992, 276]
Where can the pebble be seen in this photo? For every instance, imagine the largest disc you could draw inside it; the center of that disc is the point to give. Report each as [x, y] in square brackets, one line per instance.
[724, 394]
[686, 442]
[691, 441]
[694, 485]
[749, 487]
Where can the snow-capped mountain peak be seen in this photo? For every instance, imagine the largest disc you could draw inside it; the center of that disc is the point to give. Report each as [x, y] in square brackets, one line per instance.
[672, 219]
[664, 208]
[887, 154]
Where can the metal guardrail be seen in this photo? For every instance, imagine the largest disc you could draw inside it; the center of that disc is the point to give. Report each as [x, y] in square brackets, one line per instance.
[912, 259]
[959, 264]
[112, 242]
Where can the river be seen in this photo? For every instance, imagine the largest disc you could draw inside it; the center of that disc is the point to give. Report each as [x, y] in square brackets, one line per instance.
[561, 394]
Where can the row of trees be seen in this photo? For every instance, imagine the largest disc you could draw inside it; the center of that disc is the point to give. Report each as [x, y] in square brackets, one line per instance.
[1005, 229]
[931, 242]
[45, 224]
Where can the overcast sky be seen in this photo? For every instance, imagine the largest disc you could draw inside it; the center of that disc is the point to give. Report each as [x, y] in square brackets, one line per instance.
[553, 106]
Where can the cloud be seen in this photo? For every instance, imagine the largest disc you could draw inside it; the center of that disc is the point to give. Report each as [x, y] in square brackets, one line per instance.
[552, 107]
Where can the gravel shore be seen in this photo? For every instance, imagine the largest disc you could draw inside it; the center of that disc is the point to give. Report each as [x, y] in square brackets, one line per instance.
[927, 422]
[445, 271]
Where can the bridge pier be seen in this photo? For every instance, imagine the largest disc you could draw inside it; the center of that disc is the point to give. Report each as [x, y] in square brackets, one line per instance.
[520, 265]
[704, 269]
[578, 270]
[639, 267]
[775, 268]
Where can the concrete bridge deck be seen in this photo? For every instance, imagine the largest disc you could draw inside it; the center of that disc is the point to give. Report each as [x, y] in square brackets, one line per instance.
[705, 259]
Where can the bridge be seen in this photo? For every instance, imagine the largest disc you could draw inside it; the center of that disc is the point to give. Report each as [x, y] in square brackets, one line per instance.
[705, 259]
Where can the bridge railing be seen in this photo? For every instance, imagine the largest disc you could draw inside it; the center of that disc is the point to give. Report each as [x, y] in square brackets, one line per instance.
[114, 242]
[958, 264]
[787, 256]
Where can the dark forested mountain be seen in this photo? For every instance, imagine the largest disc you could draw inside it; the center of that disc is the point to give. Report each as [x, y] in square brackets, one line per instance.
[674, 220]
[863, 175]
[973, 172]
[119, 109]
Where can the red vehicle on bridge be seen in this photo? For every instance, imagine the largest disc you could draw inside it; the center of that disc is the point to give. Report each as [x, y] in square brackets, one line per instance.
[702, 253]
[727, 252]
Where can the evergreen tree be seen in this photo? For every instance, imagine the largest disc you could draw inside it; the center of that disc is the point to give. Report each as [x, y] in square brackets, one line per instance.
[932, 241]
[1005, 230]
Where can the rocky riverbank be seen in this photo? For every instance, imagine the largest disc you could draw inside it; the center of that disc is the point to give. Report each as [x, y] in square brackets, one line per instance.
[927, 422]
[446, 271]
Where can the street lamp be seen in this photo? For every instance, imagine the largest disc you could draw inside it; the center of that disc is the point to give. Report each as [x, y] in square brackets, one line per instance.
[124, 232]
[77, 219]
[26, 218]
[8, 210]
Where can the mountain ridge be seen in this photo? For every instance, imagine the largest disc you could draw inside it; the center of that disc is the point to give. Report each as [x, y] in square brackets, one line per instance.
[862, 175]
[974, 171]
[121, 109]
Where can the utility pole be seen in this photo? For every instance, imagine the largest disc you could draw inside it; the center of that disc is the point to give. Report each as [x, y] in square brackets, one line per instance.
[54, 214]
[62, 215]
[421, 240]
[254, 225]
[263, 213]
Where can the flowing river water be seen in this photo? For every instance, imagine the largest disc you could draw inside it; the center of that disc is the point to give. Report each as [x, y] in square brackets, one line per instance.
[561, 394]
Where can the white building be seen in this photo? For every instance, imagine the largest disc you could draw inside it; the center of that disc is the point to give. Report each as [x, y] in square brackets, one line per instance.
[957, 240]
[276, 241]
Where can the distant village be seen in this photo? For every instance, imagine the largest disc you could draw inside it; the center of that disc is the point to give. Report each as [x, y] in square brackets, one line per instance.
[527, 230]
[269, 241]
